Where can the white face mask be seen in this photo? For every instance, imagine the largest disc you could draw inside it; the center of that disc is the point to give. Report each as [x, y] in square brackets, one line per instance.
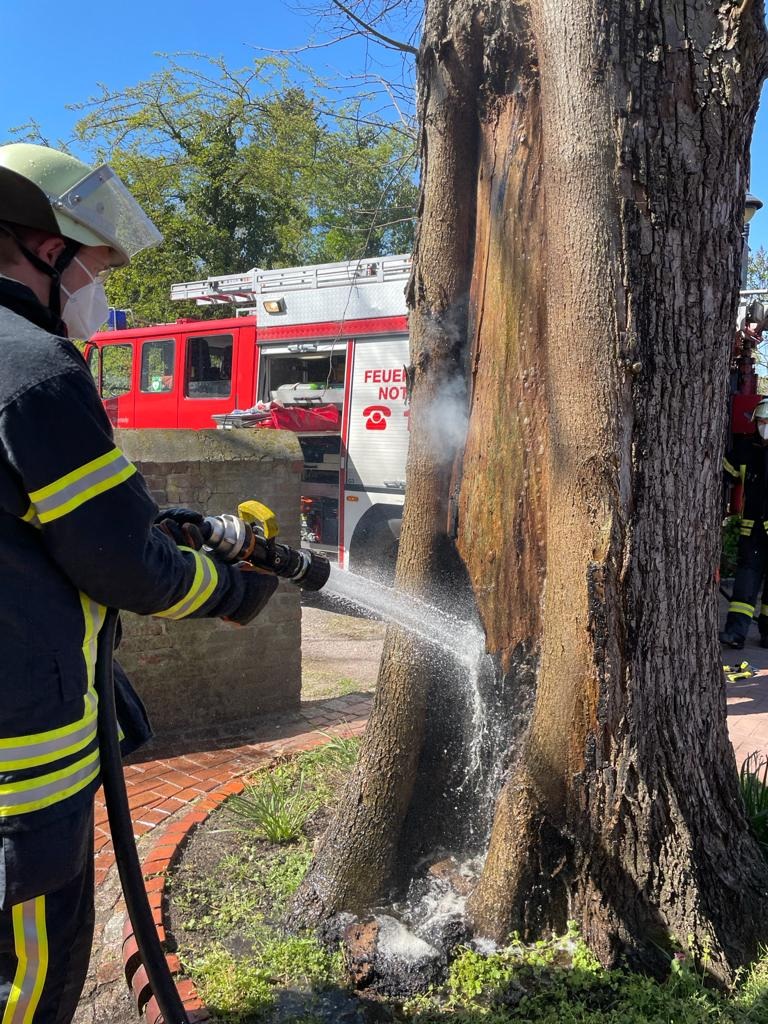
[762, 429]
[86, 309]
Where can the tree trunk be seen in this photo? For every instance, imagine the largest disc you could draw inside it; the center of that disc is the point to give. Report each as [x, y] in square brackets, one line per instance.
[584, 169]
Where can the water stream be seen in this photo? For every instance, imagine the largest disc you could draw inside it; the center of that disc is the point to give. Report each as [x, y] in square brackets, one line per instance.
[463, 640]
[432, 912]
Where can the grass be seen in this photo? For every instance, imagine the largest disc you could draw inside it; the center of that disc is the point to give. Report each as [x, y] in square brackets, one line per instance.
[753, 778]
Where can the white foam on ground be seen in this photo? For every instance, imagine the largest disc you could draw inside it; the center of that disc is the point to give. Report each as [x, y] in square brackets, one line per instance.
[395, 940]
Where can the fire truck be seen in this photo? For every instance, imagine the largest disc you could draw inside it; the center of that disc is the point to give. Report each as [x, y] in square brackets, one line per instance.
[319, 350]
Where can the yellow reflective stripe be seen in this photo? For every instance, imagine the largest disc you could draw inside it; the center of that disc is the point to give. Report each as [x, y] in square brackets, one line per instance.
[77, 474]
[203, 585]
[764, 609]
[76, 488]
[741, 608]
[730, 468]
[33, 739]
[93, 617]
[30, 940]
[25, 785]
[31, 517]
[49, 789]
[747, 522]
[41, 932]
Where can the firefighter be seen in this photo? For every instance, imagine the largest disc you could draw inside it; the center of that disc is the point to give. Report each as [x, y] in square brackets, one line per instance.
[78, 534]
[748, 462]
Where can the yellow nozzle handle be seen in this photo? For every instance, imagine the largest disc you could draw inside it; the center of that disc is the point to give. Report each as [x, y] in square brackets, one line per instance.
[255, 512]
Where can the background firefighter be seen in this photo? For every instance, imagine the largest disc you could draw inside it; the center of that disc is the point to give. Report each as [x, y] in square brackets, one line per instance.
[747, 461]
[77, 535]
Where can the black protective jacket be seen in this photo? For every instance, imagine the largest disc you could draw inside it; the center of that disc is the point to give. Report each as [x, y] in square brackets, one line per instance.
[76, 537]
[747, 461]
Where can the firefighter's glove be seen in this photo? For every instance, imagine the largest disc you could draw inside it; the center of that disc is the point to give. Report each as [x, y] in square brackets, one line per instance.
[182, 525]
[258, 587]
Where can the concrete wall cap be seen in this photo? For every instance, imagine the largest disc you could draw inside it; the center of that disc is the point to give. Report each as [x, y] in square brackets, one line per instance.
[169, 446]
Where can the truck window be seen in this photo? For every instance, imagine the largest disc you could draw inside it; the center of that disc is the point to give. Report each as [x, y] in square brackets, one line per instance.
[116, 370]
[208, 369]
[157, 366]
[304, 374]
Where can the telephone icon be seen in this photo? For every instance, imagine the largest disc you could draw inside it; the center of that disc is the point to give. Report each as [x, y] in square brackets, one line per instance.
[376, 417]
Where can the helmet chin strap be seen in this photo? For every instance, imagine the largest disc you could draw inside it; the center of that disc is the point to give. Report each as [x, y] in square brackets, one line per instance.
[63, 260]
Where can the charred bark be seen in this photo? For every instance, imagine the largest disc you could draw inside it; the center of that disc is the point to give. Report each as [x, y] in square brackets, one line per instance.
[584, 168]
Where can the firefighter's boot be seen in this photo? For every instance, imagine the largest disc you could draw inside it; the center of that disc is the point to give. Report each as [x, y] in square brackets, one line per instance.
[730, 639]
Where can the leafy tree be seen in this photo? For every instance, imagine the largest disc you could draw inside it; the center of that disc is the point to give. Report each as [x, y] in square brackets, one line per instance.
[757, 269]
[241, 169]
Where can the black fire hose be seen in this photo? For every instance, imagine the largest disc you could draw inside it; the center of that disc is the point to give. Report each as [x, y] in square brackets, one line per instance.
[121, 826]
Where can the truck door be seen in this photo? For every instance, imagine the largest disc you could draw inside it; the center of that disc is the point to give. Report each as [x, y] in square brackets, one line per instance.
[208, 374]
[157, 399]
[117, 383]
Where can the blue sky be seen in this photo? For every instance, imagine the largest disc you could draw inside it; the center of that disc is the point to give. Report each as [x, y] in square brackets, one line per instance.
[62, 60]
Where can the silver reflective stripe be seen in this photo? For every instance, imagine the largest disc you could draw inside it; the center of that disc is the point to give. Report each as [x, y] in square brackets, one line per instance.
[34, 794]
[88, 483]
[30, 940]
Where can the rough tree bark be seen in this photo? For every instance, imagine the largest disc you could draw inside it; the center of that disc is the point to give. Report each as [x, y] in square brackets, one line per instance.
[584, 169]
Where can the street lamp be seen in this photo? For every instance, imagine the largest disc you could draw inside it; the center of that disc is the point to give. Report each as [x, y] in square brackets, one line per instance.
[751, 205]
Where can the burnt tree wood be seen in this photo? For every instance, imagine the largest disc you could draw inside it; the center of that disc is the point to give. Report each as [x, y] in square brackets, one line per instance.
[584, 166]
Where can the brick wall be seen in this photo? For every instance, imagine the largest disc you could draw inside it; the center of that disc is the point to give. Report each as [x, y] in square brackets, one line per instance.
[205, 675]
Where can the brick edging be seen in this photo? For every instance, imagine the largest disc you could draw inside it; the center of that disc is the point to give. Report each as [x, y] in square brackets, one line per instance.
[156, 868]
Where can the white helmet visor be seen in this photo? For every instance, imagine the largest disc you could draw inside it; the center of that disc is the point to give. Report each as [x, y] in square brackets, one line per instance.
[101, 203]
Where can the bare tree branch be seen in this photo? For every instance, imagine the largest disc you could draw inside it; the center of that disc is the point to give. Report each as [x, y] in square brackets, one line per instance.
[393, 43]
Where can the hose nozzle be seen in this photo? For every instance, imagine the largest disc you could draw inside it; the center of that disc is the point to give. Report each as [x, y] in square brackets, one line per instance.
[250, 537]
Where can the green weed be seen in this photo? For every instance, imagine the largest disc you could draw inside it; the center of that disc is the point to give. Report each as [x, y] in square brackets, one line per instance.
[284, 876]
[561, 982]
[275, 807]
[244, 988]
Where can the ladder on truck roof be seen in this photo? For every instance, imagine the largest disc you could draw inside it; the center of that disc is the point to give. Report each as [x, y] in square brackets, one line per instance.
[251, 285]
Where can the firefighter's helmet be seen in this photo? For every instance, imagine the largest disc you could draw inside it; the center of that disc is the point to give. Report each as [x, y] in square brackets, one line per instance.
[53, 191]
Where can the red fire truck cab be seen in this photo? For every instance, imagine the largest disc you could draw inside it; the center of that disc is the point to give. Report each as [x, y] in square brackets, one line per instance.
[320, 350]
